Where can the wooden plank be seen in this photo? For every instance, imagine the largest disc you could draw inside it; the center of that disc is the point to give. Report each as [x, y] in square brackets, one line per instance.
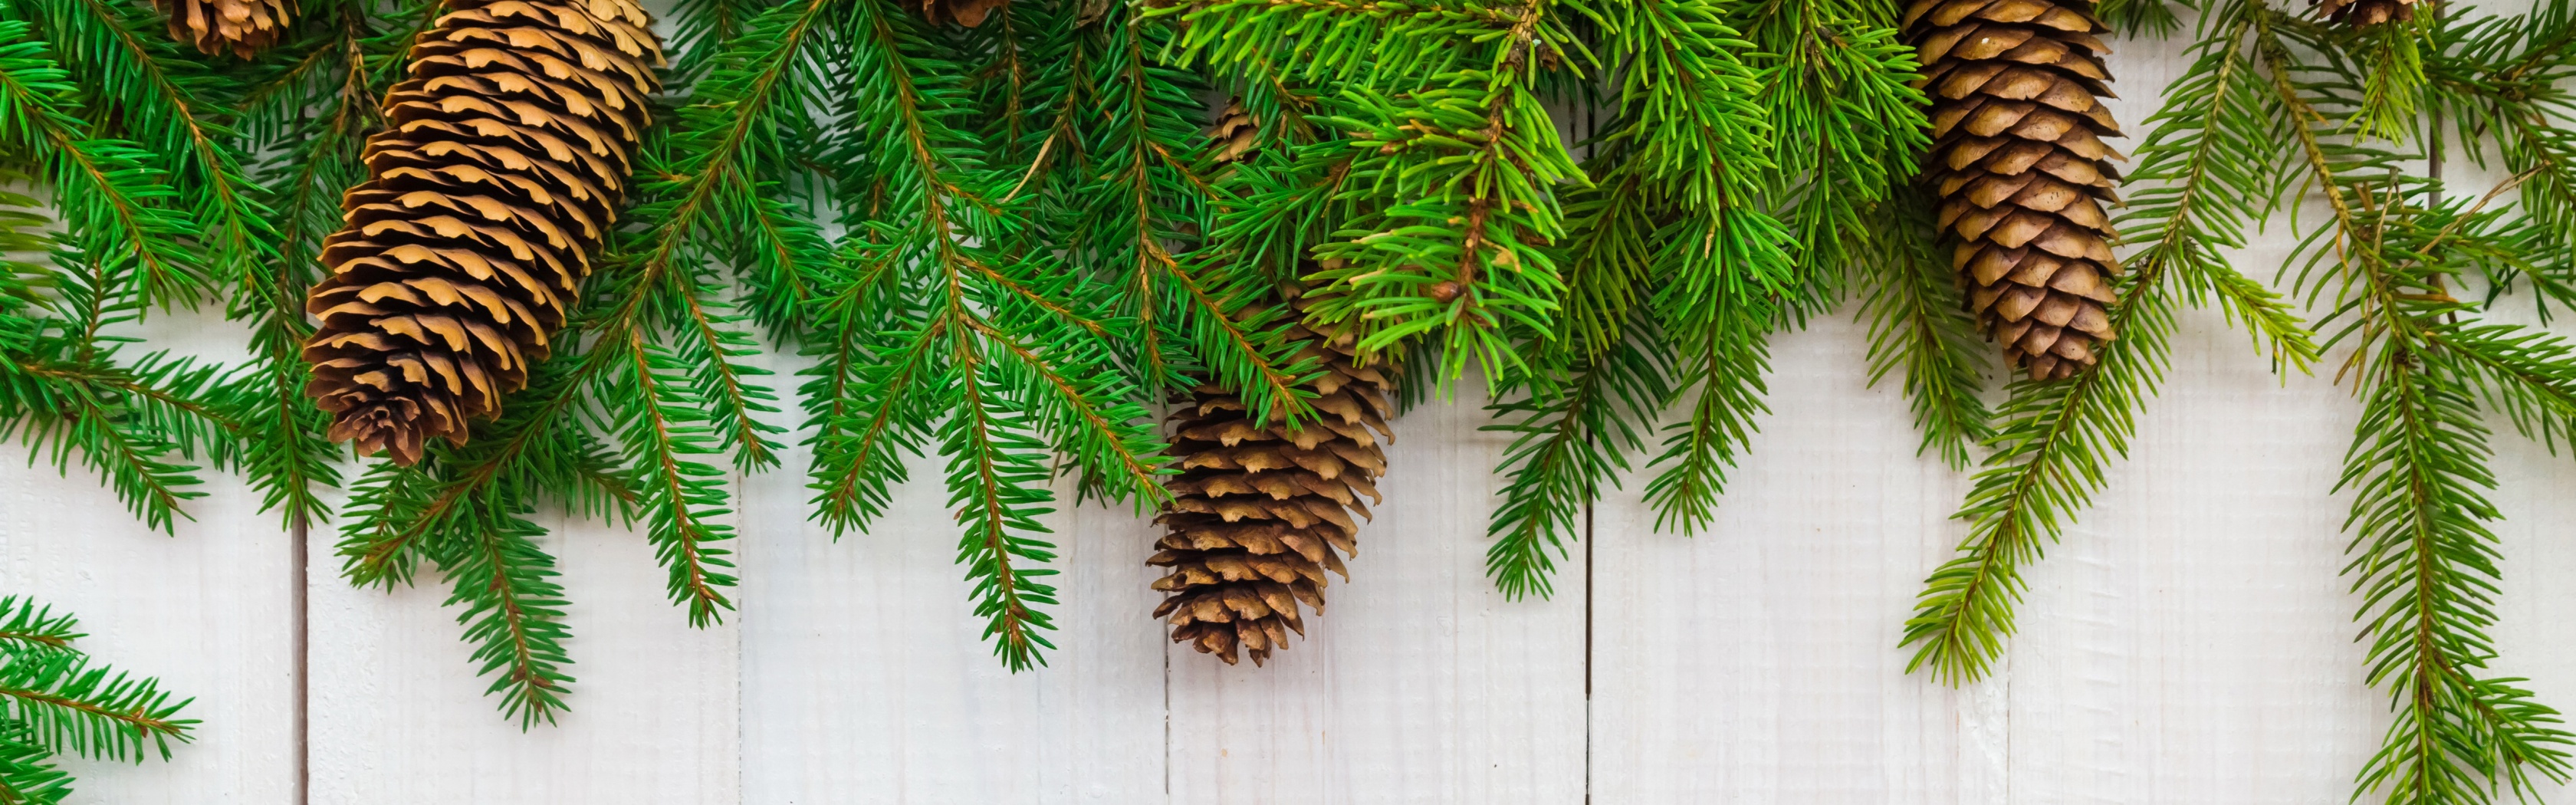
[400, 717]
[1758, 662]
[2189, 639]
[865, 679]
[1419, 683]
[206, 610]
[2535, 637]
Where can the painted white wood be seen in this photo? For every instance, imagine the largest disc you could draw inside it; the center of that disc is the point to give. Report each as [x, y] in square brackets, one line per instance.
[865, 679]
[207, 609]
[1758, 662]
[399, 716]
[1419, 683]
[2189, 641]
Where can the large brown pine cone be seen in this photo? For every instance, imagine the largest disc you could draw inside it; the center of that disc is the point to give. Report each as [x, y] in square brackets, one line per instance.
[1260, 510]
[506, 154]
[2021, 171]
[240, 27]
[2358, 13]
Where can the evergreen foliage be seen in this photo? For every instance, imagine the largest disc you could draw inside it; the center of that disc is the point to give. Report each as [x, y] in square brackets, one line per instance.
[998, 249]
[55, 700]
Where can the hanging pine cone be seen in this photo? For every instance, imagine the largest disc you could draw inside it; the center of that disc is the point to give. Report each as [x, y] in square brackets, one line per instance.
[2021, 171]
[2357, 13]
[969, 13]
[505, 155]
[1260, 511]
[240, 27]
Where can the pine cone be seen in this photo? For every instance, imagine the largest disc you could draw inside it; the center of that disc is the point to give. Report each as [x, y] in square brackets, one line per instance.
[2357, 13]
[1260, 511]
[240, 27]
[1235, 134]
[969, 13]
[506, 154]
[2021, 171]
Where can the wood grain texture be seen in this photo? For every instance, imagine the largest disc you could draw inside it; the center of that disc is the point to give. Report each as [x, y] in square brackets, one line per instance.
[1758, 662]
[2190, 640]
[1419, 683]
[207, 608]
[400, 717]
[865, 680]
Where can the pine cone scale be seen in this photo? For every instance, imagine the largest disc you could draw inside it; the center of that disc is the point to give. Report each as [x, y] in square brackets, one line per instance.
[239, 27]
[1261, 512]
[2021, 170]
[506, 154]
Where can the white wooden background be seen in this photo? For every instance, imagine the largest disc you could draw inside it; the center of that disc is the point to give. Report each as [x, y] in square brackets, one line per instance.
[2188, 642]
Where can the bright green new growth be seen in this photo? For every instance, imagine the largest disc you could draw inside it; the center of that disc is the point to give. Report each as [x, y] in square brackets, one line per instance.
[2278, 109]
[1000, 249]
[1731, 196]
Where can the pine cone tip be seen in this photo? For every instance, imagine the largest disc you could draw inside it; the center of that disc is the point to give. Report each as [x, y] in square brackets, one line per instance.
[1261, 512]
[2021, 171]
[240, 27]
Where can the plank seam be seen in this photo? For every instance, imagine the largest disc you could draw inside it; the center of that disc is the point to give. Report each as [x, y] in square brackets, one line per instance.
[299, 533]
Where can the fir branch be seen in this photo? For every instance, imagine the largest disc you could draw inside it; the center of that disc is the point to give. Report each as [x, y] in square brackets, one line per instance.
[1728, 359]
[2209, 159]
[1570, 439]
[30, 628]
[2422, 557]
[114, 204]
[951, 336]
[52, 409]
[513, 612]
[1846, 123]
[2391, 63]
[2052, 446]
[157, 96]
[2209, 167]
[677, 496]
[997, 486]
[27, 772]
[1919, 327]
[1468, 165]
[71, 705]
[866, 414]
[706, 191]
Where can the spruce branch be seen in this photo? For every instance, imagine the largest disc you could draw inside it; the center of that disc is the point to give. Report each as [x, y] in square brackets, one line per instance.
[2208, 167]
[109, 197]
[1728, 358]
[27, 772]
[72, 705]
[31, 628]
[1570, 437]
[55, 700]
[1845, 122]
[2422, 556]
[513, 611]
[994, 355]
[1919, 329]
[2052, 446]
[158, 97]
